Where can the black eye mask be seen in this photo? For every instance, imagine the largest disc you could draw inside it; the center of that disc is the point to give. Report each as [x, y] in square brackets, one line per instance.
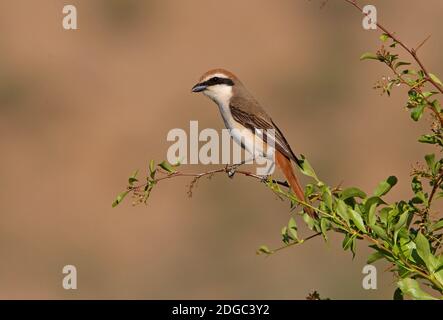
[216, 80]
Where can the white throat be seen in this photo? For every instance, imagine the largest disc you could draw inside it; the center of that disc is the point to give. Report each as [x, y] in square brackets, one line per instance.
[221, 95]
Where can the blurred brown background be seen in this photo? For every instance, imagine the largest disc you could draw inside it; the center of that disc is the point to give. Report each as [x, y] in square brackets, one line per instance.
[80, 110]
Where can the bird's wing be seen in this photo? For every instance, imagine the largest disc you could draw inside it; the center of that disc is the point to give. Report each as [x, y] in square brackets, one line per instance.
[254, 121]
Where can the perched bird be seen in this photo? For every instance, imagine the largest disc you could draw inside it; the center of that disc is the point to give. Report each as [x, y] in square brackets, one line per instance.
[240, 110]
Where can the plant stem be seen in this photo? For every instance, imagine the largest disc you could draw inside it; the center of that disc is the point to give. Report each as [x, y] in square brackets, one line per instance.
[411, 51]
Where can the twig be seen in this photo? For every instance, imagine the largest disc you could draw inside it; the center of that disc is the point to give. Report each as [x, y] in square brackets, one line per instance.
[417, 88]
[296, 242]
[200, 175]
[436, 185]
[422, 43]
[411, 51]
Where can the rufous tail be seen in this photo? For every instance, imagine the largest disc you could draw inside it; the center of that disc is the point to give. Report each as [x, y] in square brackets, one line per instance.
[286, 167]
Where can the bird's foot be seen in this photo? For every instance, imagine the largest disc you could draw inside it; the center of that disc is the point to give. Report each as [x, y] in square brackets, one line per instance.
[231, 169]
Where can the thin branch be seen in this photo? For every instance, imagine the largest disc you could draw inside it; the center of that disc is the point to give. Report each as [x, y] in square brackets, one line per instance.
[200, 175]
[417, 88]
[422, 43]
[411, 51]
[436, 185]
[295, 243]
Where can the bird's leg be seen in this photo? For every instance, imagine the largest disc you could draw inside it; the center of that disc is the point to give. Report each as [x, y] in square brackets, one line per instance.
[267, 174]
[231, 169]
[265, 178]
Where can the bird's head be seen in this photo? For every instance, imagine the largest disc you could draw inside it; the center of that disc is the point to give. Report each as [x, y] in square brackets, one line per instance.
[218, 85]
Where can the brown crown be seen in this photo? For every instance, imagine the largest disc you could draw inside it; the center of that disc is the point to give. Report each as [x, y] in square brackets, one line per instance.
[227, 73]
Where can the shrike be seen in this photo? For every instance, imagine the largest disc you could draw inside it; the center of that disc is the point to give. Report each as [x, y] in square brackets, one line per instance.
[242, 113]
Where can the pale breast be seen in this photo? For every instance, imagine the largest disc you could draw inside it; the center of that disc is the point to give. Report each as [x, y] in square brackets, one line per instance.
[241, 135]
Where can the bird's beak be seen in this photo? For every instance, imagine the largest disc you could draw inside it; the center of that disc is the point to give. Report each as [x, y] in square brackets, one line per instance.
[199, 87]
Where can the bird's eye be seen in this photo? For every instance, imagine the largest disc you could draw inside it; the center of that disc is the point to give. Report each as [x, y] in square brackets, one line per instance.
[215, 79]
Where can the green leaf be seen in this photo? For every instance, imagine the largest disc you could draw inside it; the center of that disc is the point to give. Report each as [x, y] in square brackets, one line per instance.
[133, 178]
[377, 255]
[349, 243]
[416, 185]
[177, 163]
[324, 225]
[284, 233]
[398, 294]
[419, 198]
[371, 200]
[379, 231]
[152, 169]
[306, 168]
[327, 197]
[417, 112]
[427, 138]
[423, 248]
[401, 63]
[406, 245]
[409, 71]
[439, 274]
[384, 186]
[435, 78]
[436, 105]
[436, 226]
[357, 219]
[309, 221]
[402, 221]
[439, 261]
[424, 251]
[292, 227]
[264, 249]
[384, 37]
[352, 192]
[430, 160]
[342, 210]
[400, 224]
[412, 288]
[428, 94]
[353, 247]
[383, 214]
[309, 189]
[167, 167]
[369, 56]
[372, 218]
[119, 198]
